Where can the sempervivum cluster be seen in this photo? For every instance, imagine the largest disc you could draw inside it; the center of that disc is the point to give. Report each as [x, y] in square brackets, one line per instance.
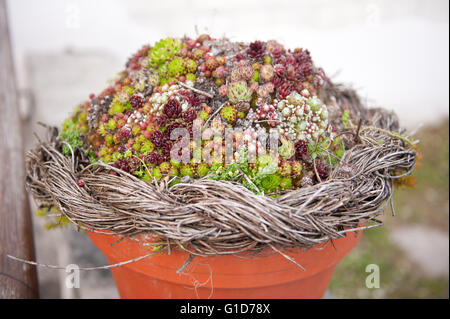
[215, 90]
[160, 97]
[303, 117]
[268, 113]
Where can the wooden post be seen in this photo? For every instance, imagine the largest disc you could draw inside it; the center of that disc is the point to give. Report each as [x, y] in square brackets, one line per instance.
[17, 280]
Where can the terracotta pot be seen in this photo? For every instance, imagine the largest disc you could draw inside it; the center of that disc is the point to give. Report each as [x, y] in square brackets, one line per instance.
[261, 276]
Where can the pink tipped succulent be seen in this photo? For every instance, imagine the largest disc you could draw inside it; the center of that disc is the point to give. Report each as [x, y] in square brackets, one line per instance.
[267, 113]
[262, 91]
[266, 73]
[223, 90]
[274, 48]
[220, 72]
[239, 92]
[284, 90]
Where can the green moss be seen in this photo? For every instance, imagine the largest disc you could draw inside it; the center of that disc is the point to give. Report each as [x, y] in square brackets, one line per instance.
[226, 173]
[270, 183]
[174, 182]
[146, 176]
[72, 135]
[202, 169]
[285, 183]
[156, 173]
[175, 163]
[53, 217]
[91, 155]
[143, 174]
[186, 170]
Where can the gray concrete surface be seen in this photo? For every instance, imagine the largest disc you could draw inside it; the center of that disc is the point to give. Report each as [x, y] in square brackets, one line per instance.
[426, 247]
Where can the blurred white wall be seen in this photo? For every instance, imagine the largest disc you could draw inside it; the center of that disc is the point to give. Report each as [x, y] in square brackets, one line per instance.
[395, 52]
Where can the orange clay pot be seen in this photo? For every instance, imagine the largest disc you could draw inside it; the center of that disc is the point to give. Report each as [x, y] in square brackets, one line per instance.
[261, 276]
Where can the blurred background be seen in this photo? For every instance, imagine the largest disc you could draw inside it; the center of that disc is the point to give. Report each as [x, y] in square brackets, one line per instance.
[396, 54]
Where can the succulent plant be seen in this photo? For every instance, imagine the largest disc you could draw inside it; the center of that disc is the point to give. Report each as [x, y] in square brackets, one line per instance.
[202, 169]
[181, 83]
[256, 49]
[301, 149]
[190, 114]
[176, 67]
[229, 114]
[322, 170]
[285, 183]
[266, 73]
[164, 50]
[270, 183]
[172, 108]
[239, 92]
[287, 149]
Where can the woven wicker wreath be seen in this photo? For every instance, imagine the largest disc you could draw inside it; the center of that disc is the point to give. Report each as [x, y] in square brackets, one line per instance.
[108, 171]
